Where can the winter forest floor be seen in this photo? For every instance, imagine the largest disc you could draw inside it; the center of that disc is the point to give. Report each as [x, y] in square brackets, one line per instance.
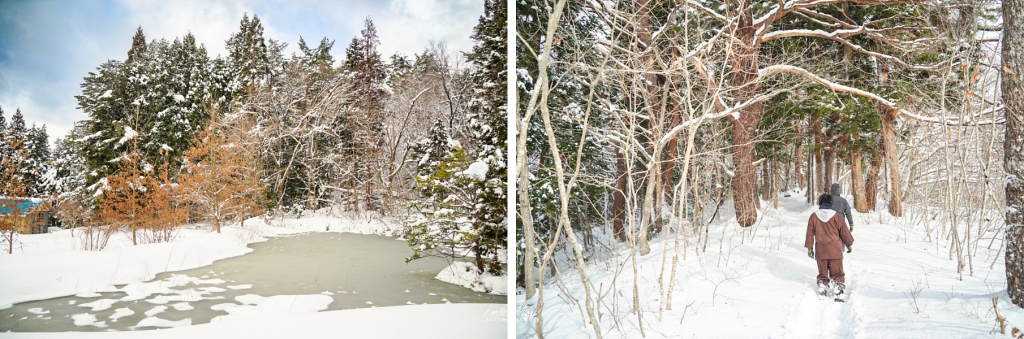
[759, 283]
[51, 265]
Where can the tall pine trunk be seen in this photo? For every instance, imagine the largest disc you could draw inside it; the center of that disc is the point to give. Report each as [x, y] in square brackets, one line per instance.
[799, 152]
[1013, 153]
[860, 201]
[745, 80]
[871, 184]
[889, 145]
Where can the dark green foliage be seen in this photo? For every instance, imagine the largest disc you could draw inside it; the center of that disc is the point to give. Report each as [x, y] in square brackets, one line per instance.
[488, 124]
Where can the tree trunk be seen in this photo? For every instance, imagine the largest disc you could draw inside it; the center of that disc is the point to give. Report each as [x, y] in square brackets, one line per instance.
[830, 164]
[619, 197]
[889, 144]
[745, 80]
[871, 186]
[860, 201]
[811, 195]
[818, 162]
[1013, 152]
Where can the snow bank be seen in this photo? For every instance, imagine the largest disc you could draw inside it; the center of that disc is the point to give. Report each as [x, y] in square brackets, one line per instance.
[465, 274]
[256, 306]
[439, 321]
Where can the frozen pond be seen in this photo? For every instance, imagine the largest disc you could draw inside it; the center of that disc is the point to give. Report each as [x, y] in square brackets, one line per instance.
[300, 273]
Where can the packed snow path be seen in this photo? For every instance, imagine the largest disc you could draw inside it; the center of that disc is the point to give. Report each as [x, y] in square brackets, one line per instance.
[899, 285]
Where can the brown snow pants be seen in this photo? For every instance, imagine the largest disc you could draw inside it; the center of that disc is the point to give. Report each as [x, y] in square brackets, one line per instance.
[831, 268]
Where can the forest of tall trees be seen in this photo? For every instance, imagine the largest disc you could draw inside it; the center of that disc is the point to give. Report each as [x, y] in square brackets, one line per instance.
[176, 136]
[646, 119]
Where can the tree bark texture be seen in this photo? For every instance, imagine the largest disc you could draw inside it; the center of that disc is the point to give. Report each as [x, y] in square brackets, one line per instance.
[830, 164]
[619, 197]
[1013, 152]
[745, 80]
[799, 152]
[860, 201]
[889, 144]
[819, 183]
[871, 184]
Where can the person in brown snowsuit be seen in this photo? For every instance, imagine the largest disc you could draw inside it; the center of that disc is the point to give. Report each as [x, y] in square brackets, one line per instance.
[826, 235]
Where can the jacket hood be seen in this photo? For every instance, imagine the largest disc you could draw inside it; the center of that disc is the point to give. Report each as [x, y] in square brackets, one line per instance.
[824, 215]
[835, 189]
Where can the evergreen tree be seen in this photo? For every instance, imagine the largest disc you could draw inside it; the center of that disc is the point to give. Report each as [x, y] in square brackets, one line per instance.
[5, 151]
[488, 125]
[248, 56]
[364, 66]
[68, 165]
[39, 163]
[440, 225]
[18, 142]
[397, 67]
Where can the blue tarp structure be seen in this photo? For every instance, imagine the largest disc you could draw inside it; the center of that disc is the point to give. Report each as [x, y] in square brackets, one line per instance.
[28, 209]
[23, 205]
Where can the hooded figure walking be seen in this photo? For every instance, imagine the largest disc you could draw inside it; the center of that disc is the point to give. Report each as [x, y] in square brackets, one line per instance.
[841, 206]
[826, 235]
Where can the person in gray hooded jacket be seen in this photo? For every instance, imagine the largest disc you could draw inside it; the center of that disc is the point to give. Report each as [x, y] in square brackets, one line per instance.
[841, 206]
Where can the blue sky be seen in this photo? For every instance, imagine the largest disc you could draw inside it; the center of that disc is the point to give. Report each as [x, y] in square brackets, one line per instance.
[47, 47]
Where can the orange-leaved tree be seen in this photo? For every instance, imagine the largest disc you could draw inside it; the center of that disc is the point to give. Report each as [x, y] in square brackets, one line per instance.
[221, 173]
[12, 186]
[123, 196]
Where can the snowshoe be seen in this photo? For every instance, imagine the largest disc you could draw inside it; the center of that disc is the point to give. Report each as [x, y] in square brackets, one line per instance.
[822, 291]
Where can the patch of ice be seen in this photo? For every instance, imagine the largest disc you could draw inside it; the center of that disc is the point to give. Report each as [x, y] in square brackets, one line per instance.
[86, 319]
[182, 306]
[120, 313]
[99, 305]
[155, 310]
[38, 310]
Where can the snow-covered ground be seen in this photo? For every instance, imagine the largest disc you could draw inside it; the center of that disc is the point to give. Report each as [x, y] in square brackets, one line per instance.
[439, 321]
[759, 283]
[51, 265]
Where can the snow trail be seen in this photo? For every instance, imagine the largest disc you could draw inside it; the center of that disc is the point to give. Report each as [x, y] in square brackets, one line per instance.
[762, 285]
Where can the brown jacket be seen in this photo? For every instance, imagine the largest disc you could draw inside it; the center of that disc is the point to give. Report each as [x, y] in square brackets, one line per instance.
[826, 236]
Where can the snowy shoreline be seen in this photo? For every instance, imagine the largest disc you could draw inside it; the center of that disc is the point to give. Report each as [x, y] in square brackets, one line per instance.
[417, 321]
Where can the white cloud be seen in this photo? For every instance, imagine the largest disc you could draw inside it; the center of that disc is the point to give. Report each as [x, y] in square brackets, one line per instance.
[50, 47]
[211, 22]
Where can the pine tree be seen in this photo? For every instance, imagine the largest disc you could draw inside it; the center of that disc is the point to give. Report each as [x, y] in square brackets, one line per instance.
[488, 124]
[248, 56]
[5, 151]
[364, 65]
[441, 225]
[40, 163]
[18, 145]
